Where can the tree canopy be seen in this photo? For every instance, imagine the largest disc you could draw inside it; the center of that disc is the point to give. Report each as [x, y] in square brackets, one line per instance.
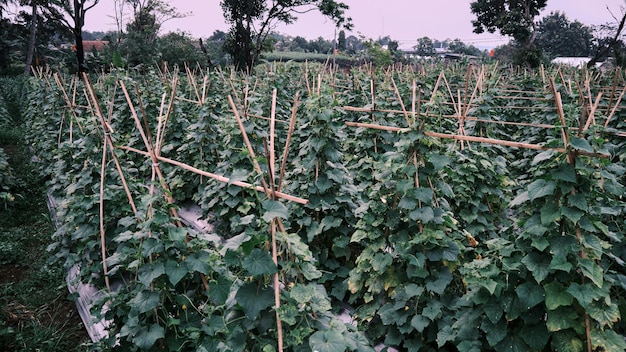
[252, 21]
[514, 18]
[557, 36]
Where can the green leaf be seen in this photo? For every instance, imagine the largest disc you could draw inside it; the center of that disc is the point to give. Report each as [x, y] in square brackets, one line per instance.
[567, 341]
[591, 270]
[536, 336]
[422, 194]
[540, 188]
[235, 242]
[177, 234]
[288, 314]
[358, 236]
[574, 214]
[495, 332]
[584, 294]
[451, 252]
[219, 290]
[559, 262]
[580, 144]
[440, 278]
[538, 265]
[273, 209]
[199, 261]
[562, 318]
[578, 201]
[607, 340]
[146, 339]
[253, 299]
[424, 214]
[557, 295]
[545, 155]
[175, 271]
[259, 262]
[565, 172]
[328, 341]
[432, 310]
[149, 272]
[521, 198]
[444, 335]
[439, 161]
[381, 261]
[550, 213]
[407, 203]
[419, 323]
[309, 271]
[145, 300]
[604, 314]
[493, 311]
[530, 294]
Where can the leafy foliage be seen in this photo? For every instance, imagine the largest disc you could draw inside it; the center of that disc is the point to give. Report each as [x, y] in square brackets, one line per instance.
[437, 245]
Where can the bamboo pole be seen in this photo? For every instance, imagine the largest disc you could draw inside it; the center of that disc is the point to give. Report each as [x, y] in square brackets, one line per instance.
[106, 129]
[215, 176]
[617, 102]
[292, 124]
[592, 112]
[399, 97]
[152, 151]
[561, 113]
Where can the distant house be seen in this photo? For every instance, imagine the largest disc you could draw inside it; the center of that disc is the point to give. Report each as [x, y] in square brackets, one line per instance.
[91, 45]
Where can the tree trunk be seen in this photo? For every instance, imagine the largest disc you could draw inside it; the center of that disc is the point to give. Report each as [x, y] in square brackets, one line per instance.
[32, 41]
[80, 50]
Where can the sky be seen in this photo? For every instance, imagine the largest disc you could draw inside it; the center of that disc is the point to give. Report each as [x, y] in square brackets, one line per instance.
[402, 20]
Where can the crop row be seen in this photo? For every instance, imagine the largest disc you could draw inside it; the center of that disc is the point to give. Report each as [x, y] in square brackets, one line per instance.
[470, 208]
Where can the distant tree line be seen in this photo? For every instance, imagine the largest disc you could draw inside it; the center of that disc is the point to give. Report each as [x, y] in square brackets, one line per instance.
[39, 33]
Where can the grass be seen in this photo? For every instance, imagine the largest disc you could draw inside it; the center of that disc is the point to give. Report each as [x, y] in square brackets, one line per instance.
[35, 311]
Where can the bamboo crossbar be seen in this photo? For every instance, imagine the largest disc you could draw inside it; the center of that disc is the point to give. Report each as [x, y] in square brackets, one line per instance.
[475, 139]
[214, 176]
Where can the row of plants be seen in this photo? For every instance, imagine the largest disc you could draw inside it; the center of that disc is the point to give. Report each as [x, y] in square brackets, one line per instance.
[434, 244]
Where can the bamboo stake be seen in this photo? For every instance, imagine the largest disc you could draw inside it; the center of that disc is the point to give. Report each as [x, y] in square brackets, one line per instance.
[103, 251]
[592, 112]
[617, 102]
[561, 113]
[255, 162]
[399, 97]
[612, 95]
[215, 176]
[292, 124]
[413, 101]
[170, 108]
[151, 151]
[106, 129]
[272, 159]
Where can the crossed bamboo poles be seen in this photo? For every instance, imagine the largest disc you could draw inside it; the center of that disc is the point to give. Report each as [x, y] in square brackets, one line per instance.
[271, 188]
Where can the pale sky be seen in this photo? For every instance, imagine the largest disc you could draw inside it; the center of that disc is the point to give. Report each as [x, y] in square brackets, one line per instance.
[402, 20]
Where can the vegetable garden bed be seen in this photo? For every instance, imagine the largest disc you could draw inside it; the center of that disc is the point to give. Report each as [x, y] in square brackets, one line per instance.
[460, 207]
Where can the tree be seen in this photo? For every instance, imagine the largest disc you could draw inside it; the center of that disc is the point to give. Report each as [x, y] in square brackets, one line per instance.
[341, 41]
[425, 47]
[609, 42]
[513, 18]
[557, 36]
[76, 10]
[252, 21]
[458, 47]
[378, 56]
[142, 34]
